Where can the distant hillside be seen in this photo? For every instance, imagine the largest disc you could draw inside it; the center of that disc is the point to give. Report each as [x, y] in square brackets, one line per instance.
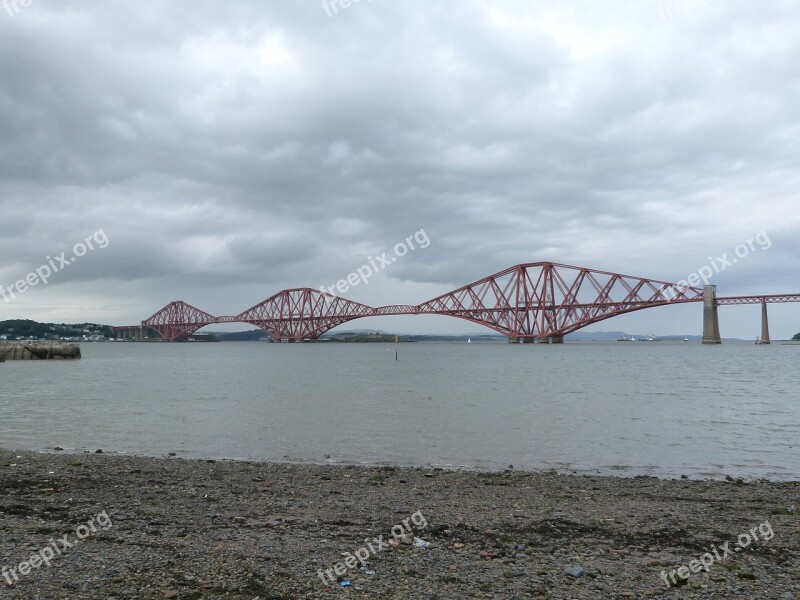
[25, 328]
[610, 336]
[366, 337]
[371, 335]
[241, 336]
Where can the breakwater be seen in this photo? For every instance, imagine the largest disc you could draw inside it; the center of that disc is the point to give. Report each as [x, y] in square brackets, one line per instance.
[38, 351]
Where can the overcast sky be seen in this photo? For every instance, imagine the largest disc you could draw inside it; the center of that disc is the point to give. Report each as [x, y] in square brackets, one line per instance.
[229, 150]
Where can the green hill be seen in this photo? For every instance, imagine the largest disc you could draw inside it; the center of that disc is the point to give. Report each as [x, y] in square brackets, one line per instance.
[25, 328]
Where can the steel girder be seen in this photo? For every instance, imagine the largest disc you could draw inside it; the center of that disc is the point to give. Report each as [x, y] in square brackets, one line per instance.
[530, 300]
[178, 320]
[302, 314]
[547, 299]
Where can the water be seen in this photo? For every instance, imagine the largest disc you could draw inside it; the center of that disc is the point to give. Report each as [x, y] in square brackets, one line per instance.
[661, 408]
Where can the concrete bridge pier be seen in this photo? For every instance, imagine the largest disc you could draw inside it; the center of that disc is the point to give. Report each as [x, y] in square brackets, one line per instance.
[129, 332]
[764, 324]
[710, 318]
[539, 339]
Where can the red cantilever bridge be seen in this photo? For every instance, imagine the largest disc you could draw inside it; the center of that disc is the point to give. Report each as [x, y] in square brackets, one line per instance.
[539, 302]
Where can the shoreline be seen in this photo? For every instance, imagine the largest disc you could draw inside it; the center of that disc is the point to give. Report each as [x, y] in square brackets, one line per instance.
[613, 472]
[193, 528]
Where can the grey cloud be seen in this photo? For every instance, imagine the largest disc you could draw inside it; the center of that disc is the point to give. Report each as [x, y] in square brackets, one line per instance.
[230, 150]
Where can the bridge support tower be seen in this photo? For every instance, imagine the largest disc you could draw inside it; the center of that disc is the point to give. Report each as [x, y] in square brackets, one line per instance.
[764, 324]
[710, 317]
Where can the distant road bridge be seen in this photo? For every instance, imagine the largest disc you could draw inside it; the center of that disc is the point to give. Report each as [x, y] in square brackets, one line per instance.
[534, 302]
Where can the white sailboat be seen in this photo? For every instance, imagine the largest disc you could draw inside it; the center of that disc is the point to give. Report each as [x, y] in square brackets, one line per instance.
[469, 340]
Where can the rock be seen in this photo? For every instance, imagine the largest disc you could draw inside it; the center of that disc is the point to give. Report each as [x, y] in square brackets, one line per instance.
[575, 572]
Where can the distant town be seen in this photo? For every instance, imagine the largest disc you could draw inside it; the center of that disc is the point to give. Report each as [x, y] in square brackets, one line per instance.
[27, 330]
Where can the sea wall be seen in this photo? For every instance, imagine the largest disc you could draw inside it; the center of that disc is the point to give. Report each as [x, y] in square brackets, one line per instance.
[38, 351]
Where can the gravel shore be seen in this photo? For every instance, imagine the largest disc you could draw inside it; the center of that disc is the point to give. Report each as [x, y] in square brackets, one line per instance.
[184, 529]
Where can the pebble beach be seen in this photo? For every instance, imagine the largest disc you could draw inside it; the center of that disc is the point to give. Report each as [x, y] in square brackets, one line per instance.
[186, 529]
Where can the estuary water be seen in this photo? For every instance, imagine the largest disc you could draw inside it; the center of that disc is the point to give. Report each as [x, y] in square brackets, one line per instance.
[660, 408]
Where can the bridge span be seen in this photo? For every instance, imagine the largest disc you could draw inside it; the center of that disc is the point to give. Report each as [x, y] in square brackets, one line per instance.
[532, 302]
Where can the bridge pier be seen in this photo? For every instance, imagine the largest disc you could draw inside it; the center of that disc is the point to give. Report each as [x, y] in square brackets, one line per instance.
[527, 340]
[710, 317]
[129, 332]
[553, 339]
[764, 324]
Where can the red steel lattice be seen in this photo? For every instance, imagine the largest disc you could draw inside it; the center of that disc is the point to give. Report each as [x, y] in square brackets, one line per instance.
[178, 320]
[303, 314]
[551, 300]
[527, 301]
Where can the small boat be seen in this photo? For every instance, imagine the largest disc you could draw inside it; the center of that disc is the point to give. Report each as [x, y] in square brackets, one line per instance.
[652, 338]
[686, 339]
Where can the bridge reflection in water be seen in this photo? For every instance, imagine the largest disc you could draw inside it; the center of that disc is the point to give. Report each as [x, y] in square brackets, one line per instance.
[533, 302]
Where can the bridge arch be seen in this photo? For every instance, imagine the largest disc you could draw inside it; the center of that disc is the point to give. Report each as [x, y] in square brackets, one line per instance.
[527, 301]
